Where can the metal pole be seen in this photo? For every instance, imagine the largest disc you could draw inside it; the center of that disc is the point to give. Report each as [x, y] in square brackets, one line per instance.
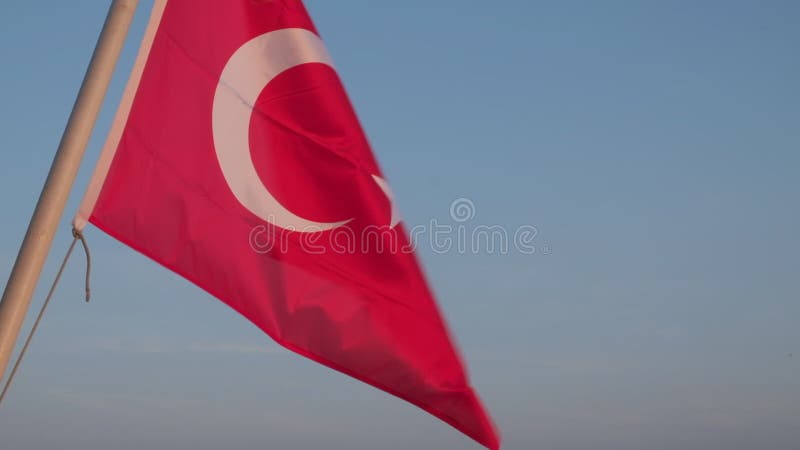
[36, 245]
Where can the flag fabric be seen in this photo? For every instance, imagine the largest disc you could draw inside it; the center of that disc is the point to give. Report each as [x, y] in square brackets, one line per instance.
[237, 161]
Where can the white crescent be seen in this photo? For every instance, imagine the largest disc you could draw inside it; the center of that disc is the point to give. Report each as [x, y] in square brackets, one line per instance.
[245, 76]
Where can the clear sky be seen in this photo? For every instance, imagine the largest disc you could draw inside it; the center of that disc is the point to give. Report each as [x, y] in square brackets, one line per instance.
[654, 145]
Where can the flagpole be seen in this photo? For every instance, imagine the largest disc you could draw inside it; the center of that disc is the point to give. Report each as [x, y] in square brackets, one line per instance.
[50, 207]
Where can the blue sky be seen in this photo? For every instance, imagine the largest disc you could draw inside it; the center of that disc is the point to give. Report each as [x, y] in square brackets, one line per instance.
[654, 145]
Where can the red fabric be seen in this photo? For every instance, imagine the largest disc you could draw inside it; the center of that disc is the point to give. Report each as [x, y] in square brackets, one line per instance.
[369, 314]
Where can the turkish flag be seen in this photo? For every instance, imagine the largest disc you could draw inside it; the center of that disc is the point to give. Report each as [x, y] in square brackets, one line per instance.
[236, 160]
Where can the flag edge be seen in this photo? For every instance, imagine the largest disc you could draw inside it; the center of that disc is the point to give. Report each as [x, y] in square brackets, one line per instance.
[109, 149]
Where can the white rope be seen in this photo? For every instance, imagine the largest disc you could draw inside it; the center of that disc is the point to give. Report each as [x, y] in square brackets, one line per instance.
[77, 236]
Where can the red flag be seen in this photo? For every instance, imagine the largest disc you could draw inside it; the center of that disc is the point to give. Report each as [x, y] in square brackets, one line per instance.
[237, 161]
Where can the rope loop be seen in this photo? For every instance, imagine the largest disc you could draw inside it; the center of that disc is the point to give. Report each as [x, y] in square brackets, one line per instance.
[77, 234]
